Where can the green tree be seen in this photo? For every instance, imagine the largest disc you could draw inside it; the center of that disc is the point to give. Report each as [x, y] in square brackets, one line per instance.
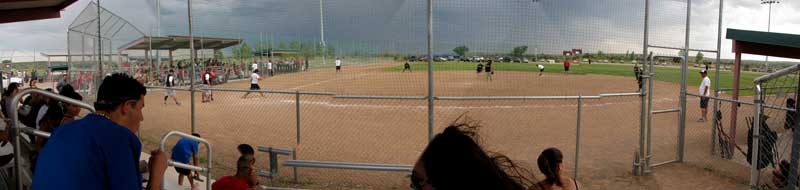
[244, 51]
[330, 50]
[282, 45]
[259, 48]
[318, 49]
[461, 50]
[219, 55]
[681, 53]
[698, 58]
[6, 61]
[519, 51]
[307, 49]
[600, 55]
[294, 45]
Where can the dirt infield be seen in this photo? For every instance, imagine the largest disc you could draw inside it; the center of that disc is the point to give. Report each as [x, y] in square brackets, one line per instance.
[395, 131]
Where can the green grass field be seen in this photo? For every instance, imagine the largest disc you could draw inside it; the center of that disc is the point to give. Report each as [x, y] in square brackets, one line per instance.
[666, 74]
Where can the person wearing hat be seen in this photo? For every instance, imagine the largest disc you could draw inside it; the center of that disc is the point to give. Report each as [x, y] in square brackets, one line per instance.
[705, 87]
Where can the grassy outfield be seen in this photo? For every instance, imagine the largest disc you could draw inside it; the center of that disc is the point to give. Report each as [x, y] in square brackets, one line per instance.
[667, 74]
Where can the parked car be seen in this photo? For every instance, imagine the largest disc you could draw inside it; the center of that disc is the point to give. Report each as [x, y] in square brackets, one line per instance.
[440, 59]
[520, 60]
[476, 58]
[6, 81]
[412, 58]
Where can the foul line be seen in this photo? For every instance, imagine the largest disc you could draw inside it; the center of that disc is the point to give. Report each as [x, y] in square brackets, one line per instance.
[329, 80]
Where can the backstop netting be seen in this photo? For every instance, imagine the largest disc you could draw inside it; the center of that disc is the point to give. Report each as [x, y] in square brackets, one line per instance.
[94, 36]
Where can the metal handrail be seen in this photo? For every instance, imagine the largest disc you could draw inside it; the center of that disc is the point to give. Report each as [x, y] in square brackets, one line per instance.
[270, 91]
[779, 73]
[721, 99]
[348, 165]
[381, 97]
[756, 130]
[19, 128]
[245, 90]
[170, 162]
[599, 96]
[273, 159]
[763, 88]
[665, 111]
[514, 97]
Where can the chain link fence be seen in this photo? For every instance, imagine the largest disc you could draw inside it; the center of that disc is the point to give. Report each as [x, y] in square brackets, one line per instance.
[352, 87]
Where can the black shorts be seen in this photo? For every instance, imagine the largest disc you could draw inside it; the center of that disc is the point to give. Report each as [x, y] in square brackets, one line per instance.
[541, 70]
[479, 70]
[254, 87]
[183, 171]
[338, 67]
[703, 102]
[566, 68]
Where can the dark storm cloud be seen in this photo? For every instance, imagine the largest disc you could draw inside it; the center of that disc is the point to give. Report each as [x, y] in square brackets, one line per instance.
[400, 25]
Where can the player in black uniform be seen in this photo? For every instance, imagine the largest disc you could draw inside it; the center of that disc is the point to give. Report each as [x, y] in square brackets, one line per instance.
[480, 68]
[170, 83]
[407, 67]
[489, 71]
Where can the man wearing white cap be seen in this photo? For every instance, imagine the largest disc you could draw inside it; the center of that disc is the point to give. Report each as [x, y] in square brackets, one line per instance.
[705, 86]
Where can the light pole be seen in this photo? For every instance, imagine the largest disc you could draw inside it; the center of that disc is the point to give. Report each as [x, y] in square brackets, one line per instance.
[769, 23]
[322, 30]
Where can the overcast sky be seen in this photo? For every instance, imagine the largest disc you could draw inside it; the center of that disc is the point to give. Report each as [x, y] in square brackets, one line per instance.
[547, 26]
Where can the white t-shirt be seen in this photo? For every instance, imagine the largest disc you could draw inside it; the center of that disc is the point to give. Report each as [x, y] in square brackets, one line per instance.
[338, 62]
[254, 78]
[269, 65]
[255, 66]
[541, 67]
[705, 83]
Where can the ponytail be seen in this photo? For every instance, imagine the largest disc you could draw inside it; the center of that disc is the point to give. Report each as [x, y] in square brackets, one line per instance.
[548, 163]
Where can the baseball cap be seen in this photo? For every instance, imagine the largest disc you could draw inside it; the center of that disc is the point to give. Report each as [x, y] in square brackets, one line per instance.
[703, 71]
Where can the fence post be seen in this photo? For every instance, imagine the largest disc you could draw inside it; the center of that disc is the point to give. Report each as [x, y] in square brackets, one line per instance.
[716, 78]
[297, 114]
[754, 160]
[795, 152]
[684, 75]
[577, 139]
[192, 56]
[297, 131]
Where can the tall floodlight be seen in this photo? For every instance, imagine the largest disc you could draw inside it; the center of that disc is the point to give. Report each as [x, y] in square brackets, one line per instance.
[769, 23]
[322, 31]
[158, 33]
[99, 47]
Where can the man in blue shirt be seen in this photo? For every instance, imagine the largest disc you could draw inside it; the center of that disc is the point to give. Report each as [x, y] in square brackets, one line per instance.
[101, 150]
[181, 152]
